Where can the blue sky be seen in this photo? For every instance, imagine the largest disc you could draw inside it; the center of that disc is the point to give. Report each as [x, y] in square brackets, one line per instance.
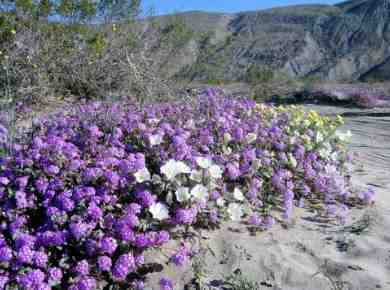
[167, 6]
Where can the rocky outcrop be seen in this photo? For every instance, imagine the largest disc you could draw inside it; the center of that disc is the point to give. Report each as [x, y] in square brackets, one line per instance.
[348, 41]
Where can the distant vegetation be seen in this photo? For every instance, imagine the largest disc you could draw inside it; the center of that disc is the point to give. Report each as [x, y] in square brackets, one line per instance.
[84, 48]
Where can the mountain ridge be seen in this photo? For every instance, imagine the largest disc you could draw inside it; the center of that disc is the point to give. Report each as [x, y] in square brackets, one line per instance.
[343, 42]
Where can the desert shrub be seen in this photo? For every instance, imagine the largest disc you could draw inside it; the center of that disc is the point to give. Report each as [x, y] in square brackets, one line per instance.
[88, 49]
[87, 193]
[256, 74]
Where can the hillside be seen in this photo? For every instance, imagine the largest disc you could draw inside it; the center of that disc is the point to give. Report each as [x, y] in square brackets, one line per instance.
[347, 41]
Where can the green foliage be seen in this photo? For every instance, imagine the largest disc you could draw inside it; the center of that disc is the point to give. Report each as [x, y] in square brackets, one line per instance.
[25, 6]
[176, 32]
[87, 9]
[237, 281]
[66, 8]
[7, 29]
[97, 43]
[256, 74]
[44, 8]
[78, 56]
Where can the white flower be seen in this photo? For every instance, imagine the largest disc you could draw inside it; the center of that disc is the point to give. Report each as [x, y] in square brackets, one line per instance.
[203, 162]
[330, 169]
[155, 139]
[199, 192]
[235, 211]
[256, 164]
[182, 194]
[173, 168]
[292, 160]
[238, 195]
[251, 138]
[142, 175]
[182, 167]
[159, 211]
[227, 138]
[344, 137]
[215, 171]
[226, 150]
[190, 124]
[220, 202]
[196, 175]
[319, 137]
[326, 150]
[334, 156]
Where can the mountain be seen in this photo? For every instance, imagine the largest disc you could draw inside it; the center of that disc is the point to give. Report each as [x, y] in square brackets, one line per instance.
[347, 41]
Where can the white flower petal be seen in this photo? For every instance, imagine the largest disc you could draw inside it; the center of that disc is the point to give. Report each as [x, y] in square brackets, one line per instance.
[159, 211]
[199, 192]
[293, 162]
[221, 202]
[215, 171]
[142, 175]
[169, 169]
[238, 195]
[203, 162]
[196, 175]
[181, 167]
[173, 168]
[251, 138]
[155, 139]
[344, 136]
[227, 138]
[235, 211]
[182, 194]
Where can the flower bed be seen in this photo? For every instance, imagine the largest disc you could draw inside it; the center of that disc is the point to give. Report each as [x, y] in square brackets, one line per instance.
[87, 193]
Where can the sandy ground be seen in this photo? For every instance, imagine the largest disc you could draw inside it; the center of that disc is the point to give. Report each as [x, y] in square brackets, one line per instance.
[310, 255]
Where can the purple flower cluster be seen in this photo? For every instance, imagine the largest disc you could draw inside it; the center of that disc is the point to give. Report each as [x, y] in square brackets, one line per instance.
[85, 197]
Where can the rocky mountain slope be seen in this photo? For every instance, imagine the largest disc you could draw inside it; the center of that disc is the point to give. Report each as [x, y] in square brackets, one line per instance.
[347, 41]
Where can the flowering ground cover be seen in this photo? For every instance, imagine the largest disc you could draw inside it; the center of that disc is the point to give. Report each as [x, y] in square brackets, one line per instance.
[87, 193]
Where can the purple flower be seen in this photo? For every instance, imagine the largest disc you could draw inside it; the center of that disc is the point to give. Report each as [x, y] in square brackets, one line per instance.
[141, 241]
[162, 238]
[86, 283]
[5, 254]
[55, 275]
[40, 259]
[25, 255]
[22, 182]
[4, 180]
[104, 263]
[82, 268]
[94, 212]
[166, 284]
[79, 230]
[108, 245]
[52, 170]
[138, 285]
[213, 216]
[185, 216]
[139, 260]
[146, 198]
[32, 280]
[269, 222]
[233, 171]
[123, 266]
[3, 281]
[181, 256]
[368, 196]
[255, 220]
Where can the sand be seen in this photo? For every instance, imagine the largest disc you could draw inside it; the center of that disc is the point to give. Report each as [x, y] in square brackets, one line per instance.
[308, 255]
